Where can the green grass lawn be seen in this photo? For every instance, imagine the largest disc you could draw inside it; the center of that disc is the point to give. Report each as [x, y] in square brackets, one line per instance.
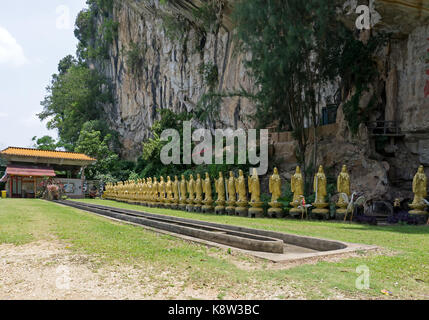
[402, 269]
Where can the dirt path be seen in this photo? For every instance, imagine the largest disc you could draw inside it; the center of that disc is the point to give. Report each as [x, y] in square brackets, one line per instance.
[49, 270]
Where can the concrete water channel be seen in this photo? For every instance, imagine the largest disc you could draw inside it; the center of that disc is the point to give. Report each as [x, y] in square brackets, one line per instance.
[265, 244]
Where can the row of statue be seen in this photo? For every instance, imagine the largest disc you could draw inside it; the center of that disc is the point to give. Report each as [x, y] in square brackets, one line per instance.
[195, 195]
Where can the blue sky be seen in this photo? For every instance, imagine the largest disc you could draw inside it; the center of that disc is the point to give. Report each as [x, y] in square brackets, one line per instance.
[34, 36]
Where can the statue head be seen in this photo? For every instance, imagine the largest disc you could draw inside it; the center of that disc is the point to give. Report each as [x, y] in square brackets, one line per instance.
[198, 176]
[168, 178]
[207, 175]
[183, 177]
[240, 173]
[220, 175]
[344, 169]
[175, 178]
[320, 169]
[255, 172]
[298, 169]
[191, 177]
[154, 179]
[231, 174]
[421, 169]
[162, 179]
[276, 171]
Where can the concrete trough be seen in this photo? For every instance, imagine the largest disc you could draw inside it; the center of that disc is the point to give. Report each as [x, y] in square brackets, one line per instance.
[269, 245]
[192, 228]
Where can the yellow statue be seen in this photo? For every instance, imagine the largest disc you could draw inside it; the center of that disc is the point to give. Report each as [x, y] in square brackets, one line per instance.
[198, 189]
[175, 187]
[343, 186]
[161, 190]
[183, 196]
[169, 190]
[207, 188]
[191, 192]
[275, 188]
[220, 190]
[149, 191]
[231, 188]
[208, 197]
[420, 192]
[255, 187]
[240, 188]
[191, 188]
[255, 200]
[319, 187]
[297, 185]
[155, 192]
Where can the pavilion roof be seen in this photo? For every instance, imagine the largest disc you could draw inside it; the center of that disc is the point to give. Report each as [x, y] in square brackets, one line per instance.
[34, 153]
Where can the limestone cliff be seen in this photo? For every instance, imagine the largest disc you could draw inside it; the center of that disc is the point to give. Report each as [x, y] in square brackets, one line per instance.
[170, 73]
[169, 76]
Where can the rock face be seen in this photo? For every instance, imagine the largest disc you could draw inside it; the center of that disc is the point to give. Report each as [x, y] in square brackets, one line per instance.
[170, 76]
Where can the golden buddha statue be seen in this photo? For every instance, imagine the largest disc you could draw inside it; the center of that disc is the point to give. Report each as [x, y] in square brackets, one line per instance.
[319, 187]
[255, 200]
[183, 193]
[149, 195]
[198, 193]
[191, 192]
[232, 194]
[275, 188]
[240, 187]
[168, 191]
[176, 192]
[343, 186]
[161, 190]
[208, 196]
[220, 190]
[297, 187]
[155, 192]
[420, 192]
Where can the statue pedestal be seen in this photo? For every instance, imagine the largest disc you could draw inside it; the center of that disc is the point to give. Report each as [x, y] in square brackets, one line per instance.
[241, 209]
[341, 211]
[197, 205]
[295, 211]
[174, 205]
[167, 203]
[256, 211]
[417, 208]
[230, 209]
[320, 210]
[190, 205]
[207, 207]
[182, 205]
[276, 210]
[220, 207]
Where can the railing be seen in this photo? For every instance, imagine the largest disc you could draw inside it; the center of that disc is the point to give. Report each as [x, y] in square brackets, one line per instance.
[384, 128]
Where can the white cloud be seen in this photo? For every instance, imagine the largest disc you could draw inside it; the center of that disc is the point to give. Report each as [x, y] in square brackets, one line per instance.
[3, 115]
[11, 53]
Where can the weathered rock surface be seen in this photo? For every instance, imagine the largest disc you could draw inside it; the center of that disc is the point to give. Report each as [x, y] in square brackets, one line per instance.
[169, 76]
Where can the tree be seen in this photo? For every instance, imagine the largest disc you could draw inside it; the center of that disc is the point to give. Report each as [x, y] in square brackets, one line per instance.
[75, 96]
[45, 143]
[92, 143]
[297, 48]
